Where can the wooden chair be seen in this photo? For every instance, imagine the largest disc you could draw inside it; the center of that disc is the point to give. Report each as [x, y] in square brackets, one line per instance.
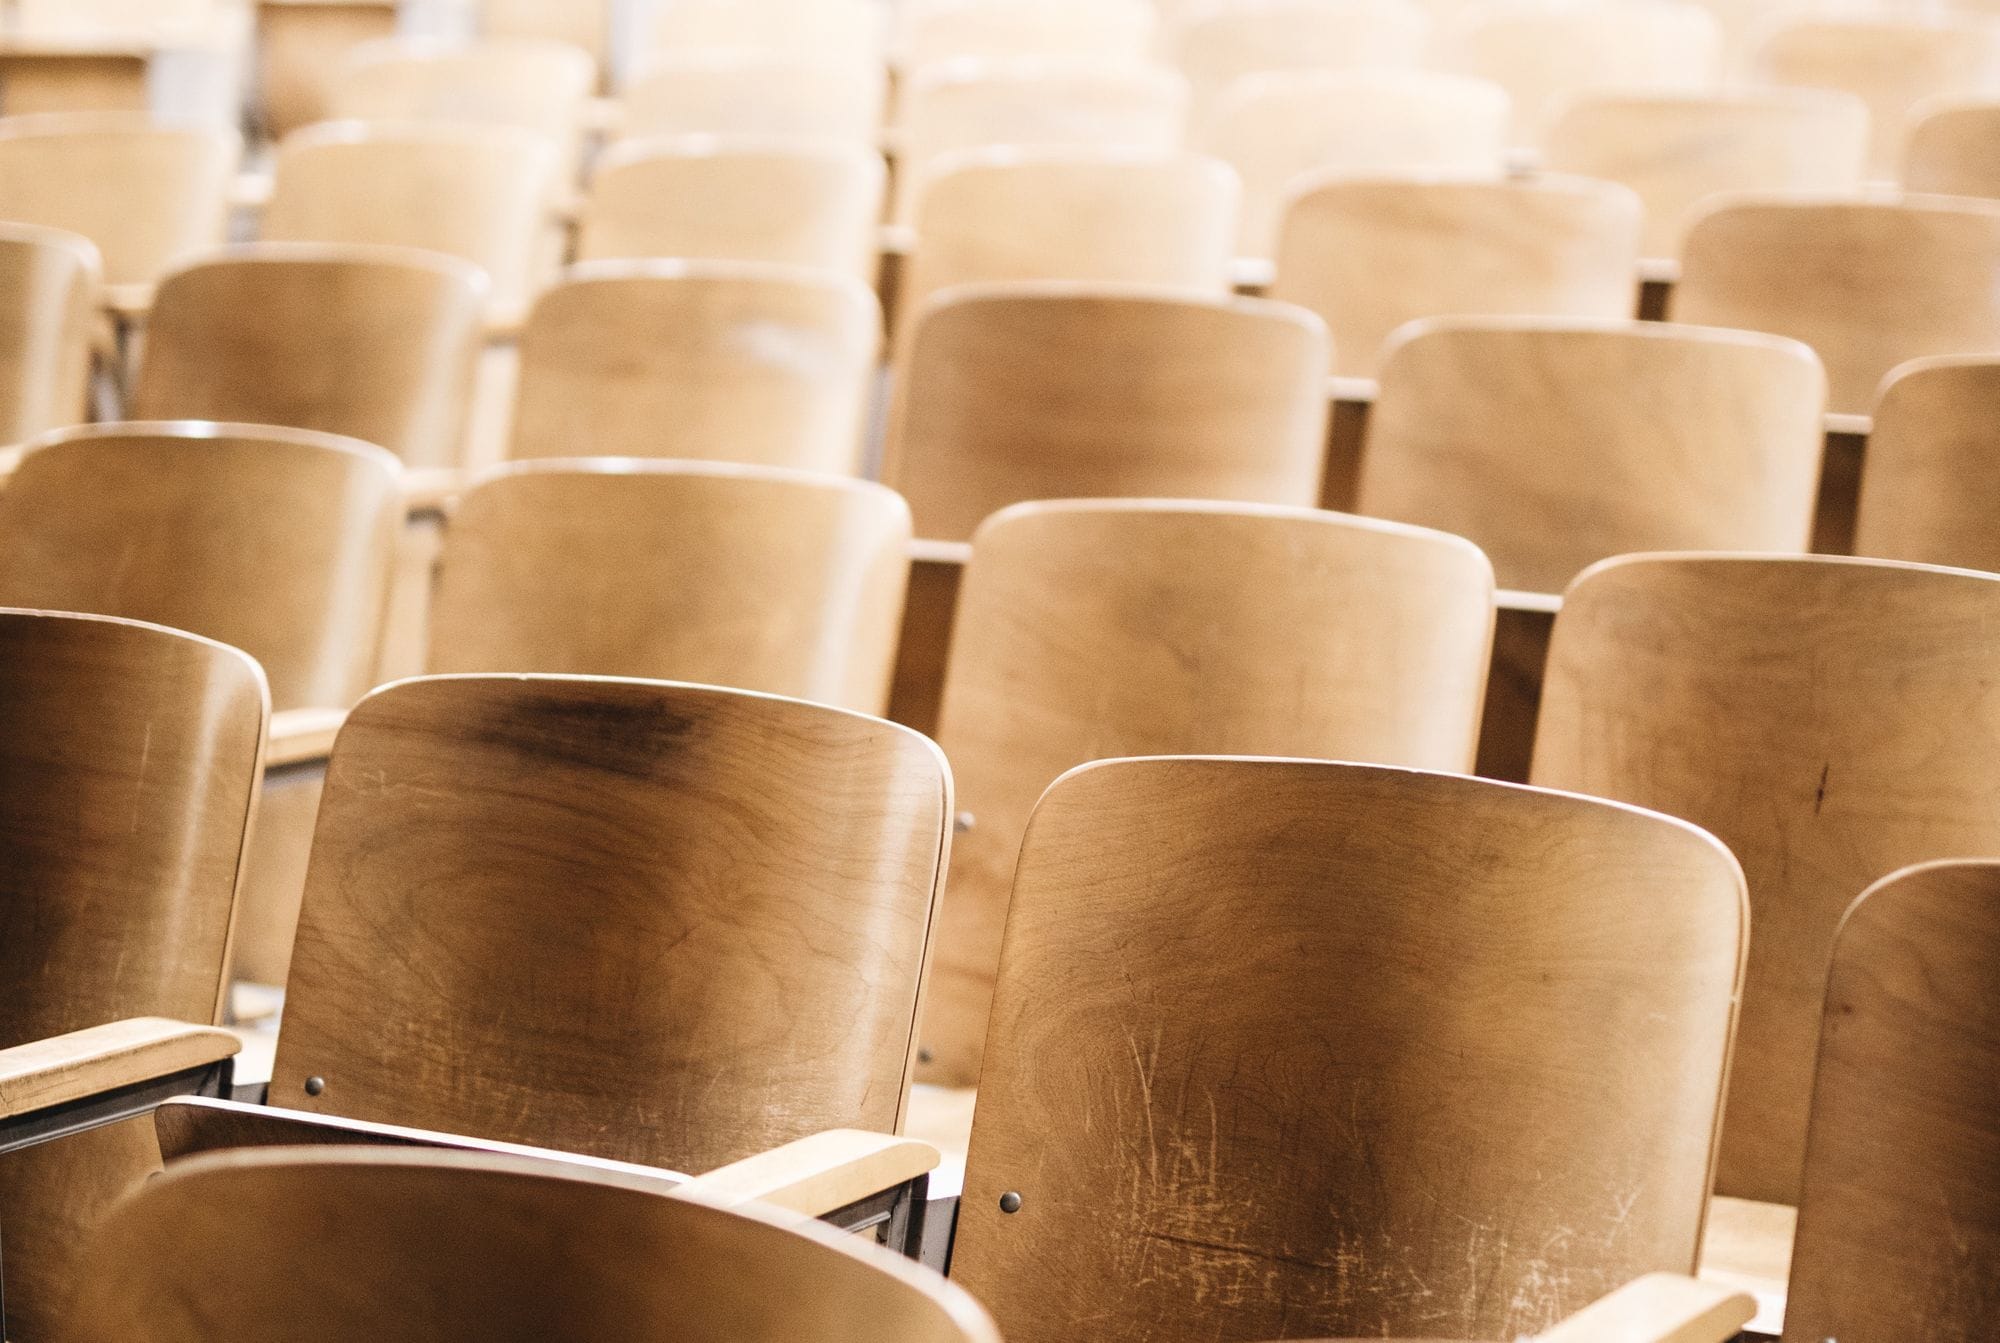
[738, 576]
[49, 283]
[1098, 31]
[711, 361]
[1656, 1308]
[1341, 1049]
[849, 33]
[530, 85]
[585, 24]
[1278, 128]
[1868, 284]
[479, 193]
[1679, 150]
[1954, 147]
[128, 772]
[800, 203]
[302, 49]
[746, 93]
[1088, 630]
[147, 195]
[1899, 1221]
[409, 1246]
[1554, 445]
[1018, 392]
[1215, 45]
[1368, 256]
[1931, 477]
[375, 343]
[1831, 720]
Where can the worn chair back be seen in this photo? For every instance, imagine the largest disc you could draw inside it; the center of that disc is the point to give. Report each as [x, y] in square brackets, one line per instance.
[49, 287]
[1952, 147]
[1931, 478]
[735, 93]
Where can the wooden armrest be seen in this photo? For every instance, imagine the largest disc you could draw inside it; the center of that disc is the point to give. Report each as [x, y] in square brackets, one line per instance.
[1359, 391]
[1659, 270]
[1852, 426]
[941, 552]
[91, 1062]
[300, 736]
[1252, 274]
[1658, 1308]
[129, 303]
[1538, 603]
[818, 1175]
[896, 240]
[431, 489]
[251, 191]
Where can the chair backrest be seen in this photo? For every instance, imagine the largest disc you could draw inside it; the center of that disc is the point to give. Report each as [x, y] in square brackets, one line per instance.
[301, 58]
[1217, 44]
[147, 195]
[1868, 284]
[727, 575]
[376, 343]
[1678, 150]
[795, 202]
[1954, 147]
[1018, 392]
[275, 541]
[1904, 1142]
[1554, 445]
[659, 923]
[1831, 720]
[1098, 31]
[49, 284]
[585, 24]
[851, 33]
[1088, 630]
[1371, 255]
[1338, 1049]
[748, 93]
[1276, 129]
[712, 361]
[479, 193]
[532, 85]
[450, 1247]
[1931, 478]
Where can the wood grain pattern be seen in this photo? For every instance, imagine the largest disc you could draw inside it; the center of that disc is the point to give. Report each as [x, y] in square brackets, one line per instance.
[97, 1059]
[49, 287]
[1094, 630]
[1931, 477]
[1830, 720]
[1954, 147]
[1312, 1034]
[753, 93]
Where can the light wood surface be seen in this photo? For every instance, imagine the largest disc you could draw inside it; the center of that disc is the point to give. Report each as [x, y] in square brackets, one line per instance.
[302, 49]
[376, 343]
[97, 1059]
[1658, 1308]
[49, 286]
[1093, 630]
[1830, 720]
[754, 93]
[1102, 32]
[748, 577]
[1049, 391]
[843, 32]
[533, 85]
[1554, 445]
[666, 924]
[1954, 147]
[1932, 472]
[818, 1174]
[1369, 256]
[1868, 284]
[443, 1247]
[302, 735]
[1311, 1034]
[711, 361]
[1215, 45]
[585, 24]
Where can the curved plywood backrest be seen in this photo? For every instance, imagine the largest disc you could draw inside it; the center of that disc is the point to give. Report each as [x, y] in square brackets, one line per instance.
[1954, 147]
[1336, 1049]
[275, 541]
[1677, 150]
[1017, 392]
[49, 285]
[1868, 284]
[738, 576]
[849, 33]
[1899, 1223]
[449, 1247]
[1102, 32]
[1129, 628]
[1370, 255]
[659, 923]
[802, 203]
[754, 93]
[376, 343]
[590, 25]
[1555, 445]
[147, 195]
[712, 361]
[1830, 720]
[1215, 45]
[533, 85]
[1931, 479]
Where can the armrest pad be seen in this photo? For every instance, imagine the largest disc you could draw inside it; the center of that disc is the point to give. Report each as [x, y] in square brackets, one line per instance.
[818, 1175]
[302, 735]
[91, 1062]
[1658, 1308]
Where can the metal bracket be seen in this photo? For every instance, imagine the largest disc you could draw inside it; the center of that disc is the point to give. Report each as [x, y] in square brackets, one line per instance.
[895, 1215]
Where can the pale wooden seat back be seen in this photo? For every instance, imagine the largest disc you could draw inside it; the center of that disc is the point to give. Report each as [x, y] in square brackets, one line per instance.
[1371, 255]
[799, 203]
[1217, 44]
[448, 1247]
[1868, 284]
[1018, 392]
[747, 93]
[147, 195]
[302, 54]
[584, 24]
[1098, 31]
[736, 576]
[531, 85]
[851, 33]
[1677, 150]
[376, 343]
[1338, 1049]
[1830, 720]
[1278, 128]
[279, 542]
[658, 923]
[1900, 1213]
[49, 285]
[1554, 445]
[1954, 147]
[1931, 481]
[479, 193]
[1087, 630]
[711, 361]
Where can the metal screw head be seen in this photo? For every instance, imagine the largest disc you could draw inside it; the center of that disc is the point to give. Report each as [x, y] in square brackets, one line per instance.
[315, 1085]
[925, 1054]
[1010, 1202]
[964, 822]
